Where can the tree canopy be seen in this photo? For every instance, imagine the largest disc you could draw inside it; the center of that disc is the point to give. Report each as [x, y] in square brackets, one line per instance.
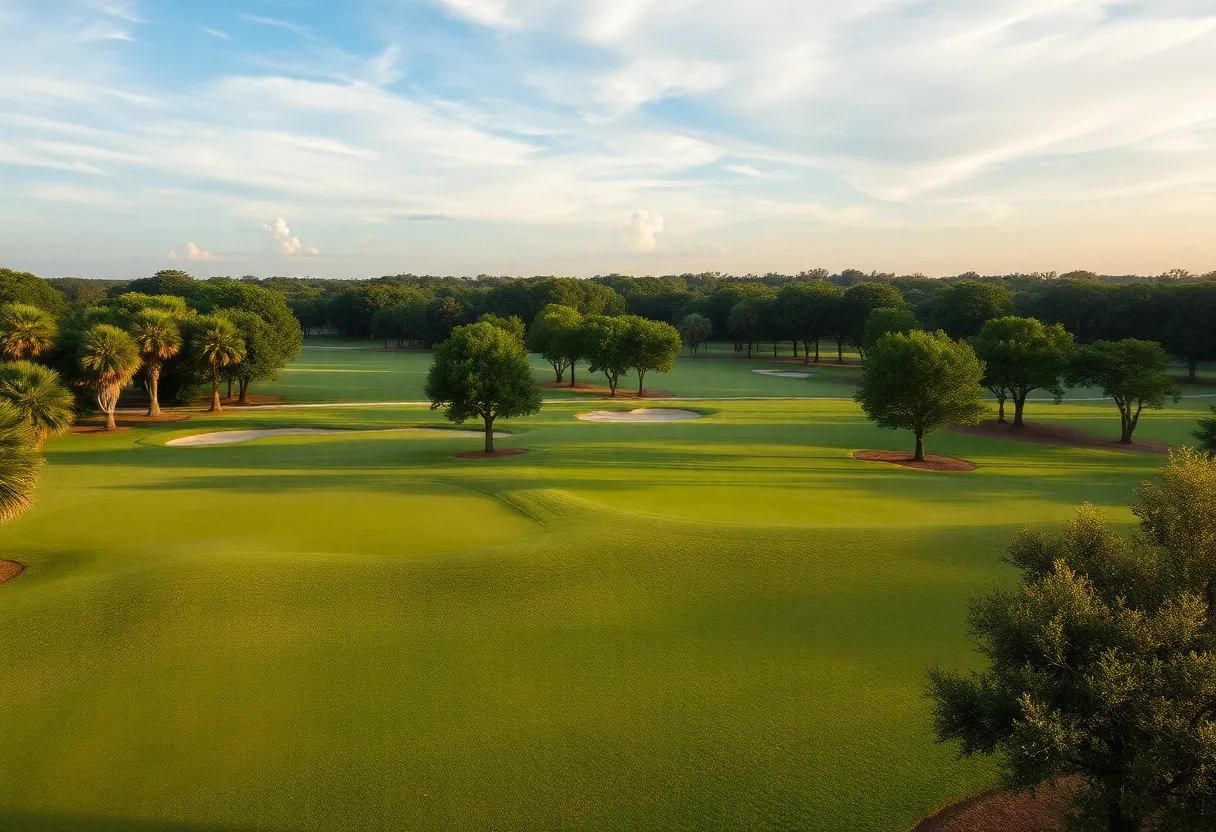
[20, 463]
[695, 331]
[886, 320]
[1131, 372]
[37, 393]
[556, 336]
[1021, 355]
[653, 346]
[607, 347]
[109, 358]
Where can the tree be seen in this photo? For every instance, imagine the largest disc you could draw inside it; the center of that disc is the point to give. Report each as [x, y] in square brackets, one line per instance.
[109, 358]
[1021, 355]
[20, 463]
[278, 345]
[25, 331]
[607, 347]
[856, 306]
[1131, 372]
[962, 309]
[442, 316]
[216, 344]
[261, 360]
[1100, 665]
[654, 345]
[553, 337]
[482, 371]
[695, 330]
[811, 311]
[512, 324]
[37, 393]
[745, 321]
[885, 321]
[1191, 332]
[922, 382]
[23, 287]
[1207, 434]
[159, 338]
[164, 282]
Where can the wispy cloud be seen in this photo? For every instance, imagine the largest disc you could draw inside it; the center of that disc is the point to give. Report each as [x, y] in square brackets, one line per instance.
[302, 31]
[217, 33]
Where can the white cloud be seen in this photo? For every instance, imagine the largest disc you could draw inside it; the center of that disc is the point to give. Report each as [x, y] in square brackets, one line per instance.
[492, 13]
[194, 253]
[640, 234]
[217, 33]
[283, 240]
[742, 170]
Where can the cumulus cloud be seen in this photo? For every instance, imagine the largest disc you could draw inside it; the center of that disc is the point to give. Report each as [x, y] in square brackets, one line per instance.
[642, 231]
[283, 239]
[193, 252]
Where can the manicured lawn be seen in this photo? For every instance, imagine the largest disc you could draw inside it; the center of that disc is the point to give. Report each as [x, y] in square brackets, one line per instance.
[717, 624]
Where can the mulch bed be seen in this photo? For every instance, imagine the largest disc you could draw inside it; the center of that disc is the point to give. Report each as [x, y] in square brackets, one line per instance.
[1047, 434]
[492, 454]
[600, 390]
[998, 811]
[931, 463]
[89, 430]
[9, 569]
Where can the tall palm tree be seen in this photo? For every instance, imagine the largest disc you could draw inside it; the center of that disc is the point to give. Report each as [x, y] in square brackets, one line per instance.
[109, 358]
[39, 396]
[159, 338]
[20, 463]
[695, 330]
[25, 331]
[218, 343]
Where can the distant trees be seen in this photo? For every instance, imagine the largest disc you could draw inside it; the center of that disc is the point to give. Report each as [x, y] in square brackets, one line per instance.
[511, 324]
[886, 321]
[1131, 372]
[20, 463]
[25, 331]
[25, 288]
[653, 345]
[856, 305]
[109, 358]
[1021, 355]
[159, 338]
[746, 321]
[607, 347]
[811, 311]
[921, 382]
[695, 331]
[961, 309]
[1207, 434]
[1190, 332]
[217, 344]
[442, 316]
[1101, 665]
[556, 335]
[482, 371]
[37, 393]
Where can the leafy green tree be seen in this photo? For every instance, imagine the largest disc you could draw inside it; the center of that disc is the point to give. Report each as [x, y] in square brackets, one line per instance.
[20, 463]
[443, 315]
[164, 282]
[512, 324]
[1131, 372]
[607, 347]
[922, 382]
[962, 309]
[109, 359]
[216, 344]
[696, 330]
[1207, 434]
[159, 338]
[814, 312]
[856, 305]
[262, 359]
[746, 320]
[123, 310]
[654, 345]
[726, 297]
[37, 393]
[277, 346]
[555, 335]
[1191, 332]
[23, 287]
[1021, 355]
[25, 331]
[1101, 664]
[885, 321]
[482, 371]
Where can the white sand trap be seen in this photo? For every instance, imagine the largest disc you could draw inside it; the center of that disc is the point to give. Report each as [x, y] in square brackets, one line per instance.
[645, 414]
[782, 373]
[232, 437]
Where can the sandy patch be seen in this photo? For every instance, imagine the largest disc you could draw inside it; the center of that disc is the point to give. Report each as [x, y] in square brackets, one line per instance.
[782, 373]
[232, 437]
[492, 454]
[997, 811]
[645, 414]
[9, 569]
[622, 392]
[1045, 434]
[931, 463]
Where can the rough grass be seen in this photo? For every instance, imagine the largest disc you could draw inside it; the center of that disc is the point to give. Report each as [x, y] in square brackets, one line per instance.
[712, 624]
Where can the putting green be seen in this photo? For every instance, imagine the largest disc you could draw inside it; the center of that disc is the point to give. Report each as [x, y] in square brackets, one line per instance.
[721, 623]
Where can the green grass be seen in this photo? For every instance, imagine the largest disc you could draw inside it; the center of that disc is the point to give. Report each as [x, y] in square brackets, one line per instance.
[713, 624]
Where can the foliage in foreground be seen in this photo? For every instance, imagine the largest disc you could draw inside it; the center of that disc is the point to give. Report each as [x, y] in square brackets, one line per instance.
[20, 463]
[1102, 664]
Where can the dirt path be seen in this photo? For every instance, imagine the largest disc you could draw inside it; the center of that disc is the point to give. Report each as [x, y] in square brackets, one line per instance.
[998, 811]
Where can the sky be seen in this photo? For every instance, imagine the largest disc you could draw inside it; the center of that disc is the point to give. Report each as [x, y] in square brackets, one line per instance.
[580, 137]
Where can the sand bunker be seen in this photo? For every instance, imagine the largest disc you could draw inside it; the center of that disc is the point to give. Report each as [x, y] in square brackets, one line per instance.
[10, 569]
[645, 414]
[782, 373]
[232, 437]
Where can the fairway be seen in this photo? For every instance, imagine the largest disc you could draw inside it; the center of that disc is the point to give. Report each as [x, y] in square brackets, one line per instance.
[720, 623]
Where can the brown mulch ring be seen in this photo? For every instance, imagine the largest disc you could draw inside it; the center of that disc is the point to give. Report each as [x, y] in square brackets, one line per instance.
[600, 390]
[235, 401]
[492, 454]
[90, 430]
[1047, 434]
[931, 463]
[998, 811]
[9, 569]
[130, 419]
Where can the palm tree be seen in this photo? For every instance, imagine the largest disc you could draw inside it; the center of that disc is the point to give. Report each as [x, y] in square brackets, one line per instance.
[695, 330]
[20, 463]
[38, 395]
[25, 331]
[159, 338]
[220, 345]
[109, 358]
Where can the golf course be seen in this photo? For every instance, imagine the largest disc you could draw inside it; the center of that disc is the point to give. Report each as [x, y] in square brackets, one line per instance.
[720, 622]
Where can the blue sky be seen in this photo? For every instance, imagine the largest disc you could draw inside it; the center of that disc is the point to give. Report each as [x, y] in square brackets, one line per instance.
[579, 137]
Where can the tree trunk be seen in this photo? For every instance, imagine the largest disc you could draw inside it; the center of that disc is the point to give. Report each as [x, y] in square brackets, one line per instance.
[1125, 435]
[1000, 410]
[1192, 367]
[816, 350]
[572, 363]
[774, 348]
[839, 350]
[153, 385]
[749, 348]
[490, 435]
[558, 370]
[216, 407]
[641, 381]
[920, 448]
[795, 343]
[243, 385]
[228, 395]
[1019, 405]
[110, 425]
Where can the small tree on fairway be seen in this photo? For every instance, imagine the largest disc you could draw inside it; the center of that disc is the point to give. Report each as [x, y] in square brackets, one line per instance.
[695, 330]
[25, 331]
[482, 371]
[39, 396]
[607, 344]
[217, 344]
[1021, 355]
[159, 338]
[20, 463]
[550, 336]
[921, 382]
[654, 346]
[109, 359]
[1131, 372]
[1101, 665]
